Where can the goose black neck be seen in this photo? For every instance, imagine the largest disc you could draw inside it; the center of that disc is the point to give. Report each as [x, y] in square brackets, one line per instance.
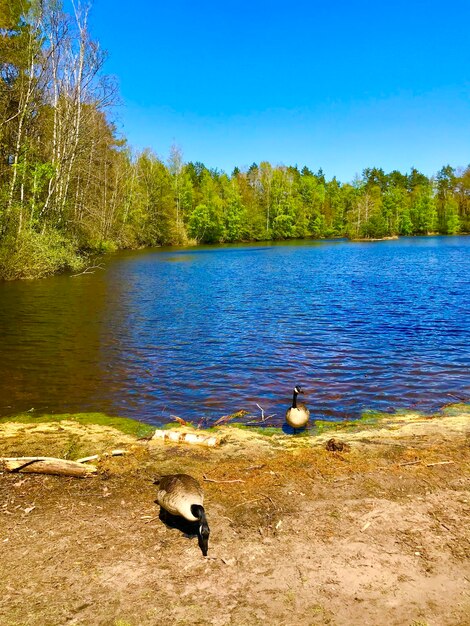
[294, 399]
[203, 531]
[198, 511]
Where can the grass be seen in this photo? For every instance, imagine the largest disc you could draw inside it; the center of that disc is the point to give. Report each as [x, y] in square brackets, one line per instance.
[269, 431]
[123, 424]
[368, 420]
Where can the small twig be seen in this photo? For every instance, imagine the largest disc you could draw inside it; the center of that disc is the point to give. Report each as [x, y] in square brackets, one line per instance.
[212, 480]
[453, 395]
[410, 463]
[263, 419]
[440, 463]
[441, 522]
[88, 458]
[95, 457]
[259, 422]
[269, 498]
[262, 411]
[247, 502]
[88, 270]
[257, 500]
[254, 467]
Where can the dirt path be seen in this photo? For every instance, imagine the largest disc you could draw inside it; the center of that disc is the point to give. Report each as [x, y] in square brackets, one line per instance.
[308, 537]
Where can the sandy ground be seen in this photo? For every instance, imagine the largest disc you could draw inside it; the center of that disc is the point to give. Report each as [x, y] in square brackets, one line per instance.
[376, 535]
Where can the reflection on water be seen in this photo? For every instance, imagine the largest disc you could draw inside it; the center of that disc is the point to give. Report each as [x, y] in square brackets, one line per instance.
[208, 331]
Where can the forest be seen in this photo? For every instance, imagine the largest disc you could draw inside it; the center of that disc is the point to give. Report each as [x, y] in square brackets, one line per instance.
[72, 188]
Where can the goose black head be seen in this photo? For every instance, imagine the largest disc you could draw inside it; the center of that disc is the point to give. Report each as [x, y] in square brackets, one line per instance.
[203, 538]
[298, 389]
[203, 530]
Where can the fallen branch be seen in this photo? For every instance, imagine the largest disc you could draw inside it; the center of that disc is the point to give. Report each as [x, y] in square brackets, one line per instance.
[90, 270]
[440, 463]
[45, 465]
[212, 480]
[263, 419]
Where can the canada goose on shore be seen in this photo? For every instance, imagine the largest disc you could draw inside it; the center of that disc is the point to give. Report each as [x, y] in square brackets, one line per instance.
[182, 495]
[297, 415]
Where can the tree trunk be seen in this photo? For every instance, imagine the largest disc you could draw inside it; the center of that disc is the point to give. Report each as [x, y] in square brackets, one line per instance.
[45, 465]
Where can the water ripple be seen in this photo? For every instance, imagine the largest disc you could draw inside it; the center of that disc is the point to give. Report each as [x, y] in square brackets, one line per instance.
[209, 331]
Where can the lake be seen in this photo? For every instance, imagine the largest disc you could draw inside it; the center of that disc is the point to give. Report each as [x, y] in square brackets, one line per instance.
[202, 332]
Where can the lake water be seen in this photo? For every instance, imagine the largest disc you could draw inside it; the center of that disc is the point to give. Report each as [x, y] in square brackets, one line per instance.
[207, 331]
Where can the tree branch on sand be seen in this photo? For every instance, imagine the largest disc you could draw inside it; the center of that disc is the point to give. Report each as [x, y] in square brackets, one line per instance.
[45, 465]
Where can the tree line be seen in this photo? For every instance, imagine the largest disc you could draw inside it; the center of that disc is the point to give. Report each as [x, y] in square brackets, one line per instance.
[70, 186]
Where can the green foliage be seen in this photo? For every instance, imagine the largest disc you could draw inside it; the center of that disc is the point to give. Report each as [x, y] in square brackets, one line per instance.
[68, 184]
[283, 227]
[451, 224]
[36, 255]
[199, 222]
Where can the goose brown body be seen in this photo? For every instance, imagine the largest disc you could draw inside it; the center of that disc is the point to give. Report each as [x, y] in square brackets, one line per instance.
[297, 415]
[178, 493]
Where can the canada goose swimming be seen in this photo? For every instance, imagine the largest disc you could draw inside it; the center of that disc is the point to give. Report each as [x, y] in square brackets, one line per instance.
[182, 495]
[297, 415]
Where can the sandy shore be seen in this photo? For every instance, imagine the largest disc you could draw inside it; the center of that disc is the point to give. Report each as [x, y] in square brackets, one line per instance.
[379, 534]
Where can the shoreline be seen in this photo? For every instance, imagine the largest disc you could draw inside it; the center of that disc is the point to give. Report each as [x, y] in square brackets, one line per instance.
[96, 257]
[377, 533]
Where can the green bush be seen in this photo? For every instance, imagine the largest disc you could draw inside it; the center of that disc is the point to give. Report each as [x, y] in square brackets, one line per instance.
[36, 255]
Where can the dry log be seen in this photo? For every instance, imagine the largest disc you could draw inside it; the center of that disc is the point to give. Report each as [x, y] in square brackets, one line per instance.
[45, 465]
[177, 436]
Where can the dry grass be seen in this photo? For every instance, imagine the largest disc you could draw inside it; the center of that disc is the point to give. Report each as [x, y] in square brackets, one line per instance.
[305, 536]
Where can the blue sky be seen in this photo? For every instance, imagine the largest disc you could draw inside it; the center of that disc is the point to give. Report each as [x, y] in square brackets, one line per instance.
[340, 85]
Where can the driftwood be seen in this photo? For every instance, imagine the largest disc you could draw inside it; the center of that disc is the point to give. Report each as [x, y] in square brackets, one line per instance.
[45, 465]
[187, 437]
